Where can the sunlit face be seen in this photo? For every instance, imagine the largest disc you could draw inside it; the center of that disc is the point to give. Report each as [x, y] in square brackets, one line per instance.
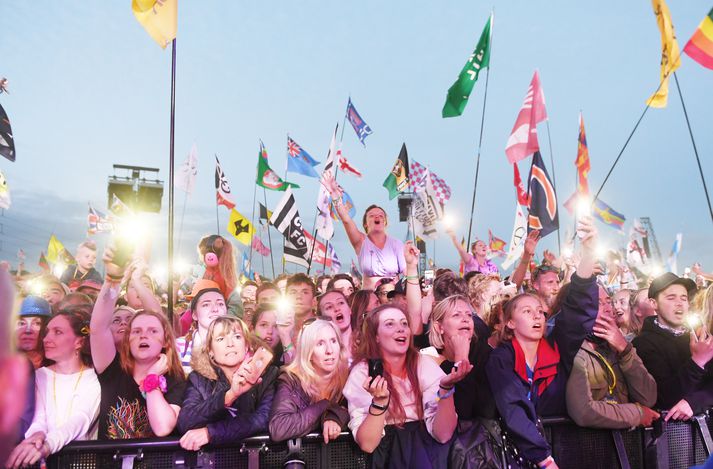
[645, 306]
[622, 312]
[210, 305]
[375, 220]
[146, 337]
[394, 334]
[28, 333]
[345, 286]
[325, 352]
[53, 293]
[86, 258]
[672, 305]
[247, 294]
[528, 319]
[480, 249]
[120, 324]
[301, 296]
[456, 321]
[268, 296]
[228, 348]
[335, 306]
[60, 342]
[547, 286]
[266, 328]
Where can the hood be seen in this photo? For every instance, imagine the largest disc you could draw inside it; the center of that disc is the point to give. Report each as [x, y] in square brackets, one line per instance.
[201, 364]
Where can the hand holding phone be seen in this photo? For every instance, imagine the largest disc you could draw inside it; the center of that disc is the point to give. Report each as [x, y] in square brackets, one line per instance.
[376, 368]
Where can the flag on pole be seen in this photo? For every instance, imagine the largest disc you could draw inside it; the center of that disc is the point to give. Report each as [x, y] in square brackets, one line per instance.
[398, 179]
[57, 253]
[158, 17]
[299, 161]
[323, 222]
[259, 247]
[98, 222]
[4, 192]
[286, 219]
[186, 174]
[496, 244]
[240, 227]
[543, 201]
[268, 178]
[119, 208]
[670, 54]
[361, 128]
[222, 187]
[517, 240]
[523, 139]
[417, 177]
[607, 215]
[700, 46]
[582, 162]
[348, 203]
[345, 166]
[7, 143]
[672, 261]
[426, 210]
[265, 214]
[522, 197]
[245, 267]
[42, 263]
[322, 255]
[459, 92]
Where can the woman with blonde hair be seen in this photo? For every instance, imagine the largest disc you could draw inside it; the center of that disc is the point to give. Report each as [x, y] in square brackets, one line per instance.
[225, 401]
[309, 391]
[142, 382]
[482, 290]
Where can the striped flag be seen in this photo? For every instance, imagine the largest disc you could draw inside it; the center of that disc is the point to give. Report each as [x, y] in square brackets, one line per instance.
[607, 215]
[286, 219]
[324, 224]
[523, 138]
[700, 46]
[582, 162]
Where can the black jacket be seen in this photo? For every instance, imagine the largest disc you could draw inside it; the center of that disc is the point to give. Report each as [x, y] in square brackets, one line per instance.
[204, 405]
[668, 359]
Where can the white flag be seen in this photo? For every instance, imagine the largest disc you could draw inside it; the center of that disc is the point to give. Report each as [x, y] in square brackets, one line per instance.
[185, 178]
[517, 240]
[426, 210]
[324, 224]
[4, 192]
[672, 261]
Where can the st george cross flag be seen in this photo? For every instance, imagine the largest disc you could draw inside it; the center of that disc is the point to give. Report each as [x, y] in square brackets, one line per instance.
[361, 128]
[345, 166]
[240, 227]
[4, 192]
[268, 178]
[158, 17]
[517, 240]
[543, 201]
[523, 139]
[522, 197]
[98, 222]
[323, 223]
[185, 178]
[286, 219]
[222, 187]
[7, 143]
[418, 181]
[299, 161]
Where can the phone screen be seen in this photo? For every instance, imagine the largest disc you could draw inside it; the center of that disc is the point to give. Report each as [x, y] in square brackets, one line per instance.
[376, 368]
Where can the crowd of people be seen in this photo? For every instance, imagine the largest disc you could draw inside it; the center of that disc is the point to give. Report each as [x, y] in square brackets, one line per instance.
[423, 372]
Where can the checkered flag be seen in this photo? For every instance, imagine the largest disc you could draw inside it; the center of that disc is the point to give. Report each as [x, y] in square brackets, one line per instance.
[418, 182]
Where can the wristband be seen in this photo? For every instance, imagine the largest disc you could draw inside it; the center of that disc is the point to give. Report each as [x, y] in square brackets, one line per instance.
[412, 277]
[447, 388]
[381, 407]
[287, 347]
[151, 382]
[113, 278]
[440, 397]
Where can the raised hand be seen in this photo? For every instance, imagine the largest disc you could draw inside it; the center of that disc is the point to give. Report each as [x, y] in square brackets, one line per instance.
[456, 374]
[701, 345]
[331, 185]
[533, 237]
[605, 328]
[411, 253]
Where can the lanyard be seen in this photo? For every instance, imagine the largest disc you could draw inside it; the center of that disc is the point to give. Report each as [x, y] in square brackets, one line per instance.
[610, 371]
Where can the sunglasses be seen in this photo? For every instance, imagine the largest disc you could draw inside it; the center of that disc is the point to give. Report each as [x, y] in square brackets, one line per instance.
[311, 320]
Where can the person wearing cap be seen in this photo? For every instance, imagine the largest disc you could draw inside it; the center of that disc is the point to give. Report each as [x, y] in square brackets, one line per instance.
[677, 357]
[34, 314]
[207, 303]
[397, 295]
[477, 259]
[53, 290]
[90, 287]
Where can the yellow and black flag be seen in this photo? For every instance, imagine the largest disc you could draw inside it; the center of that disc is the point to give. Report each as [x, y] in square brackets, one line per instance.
[240, 227]
[397, 180]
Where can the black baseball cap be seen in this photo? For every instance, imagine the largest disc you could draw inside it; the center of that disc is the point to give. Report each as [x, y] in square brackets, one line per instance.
[664, 281]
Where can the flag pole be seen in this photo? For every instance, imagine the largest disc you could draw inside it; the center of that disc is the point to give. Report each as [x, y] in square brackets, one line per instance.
[336, 173]
[252, 222]
[183, 214]
[269, 237]
[554, 183]
[169, 286]
[695, 149]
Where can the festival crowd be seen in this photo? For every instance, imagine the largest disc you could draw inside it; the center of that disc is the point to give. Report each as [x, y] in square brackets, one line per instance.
[423, 372]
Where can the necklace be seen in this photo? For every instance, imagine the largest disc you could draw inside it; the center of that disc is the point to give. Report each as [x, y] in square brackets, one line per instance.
[71, 400]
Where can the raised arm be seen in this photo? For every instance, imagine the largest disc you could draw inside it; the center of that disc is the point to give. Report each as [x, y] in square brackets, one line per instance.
[148, 299]
[413, 288]
[464, 255]
[518, 276]
[100, 338]
[355, 236]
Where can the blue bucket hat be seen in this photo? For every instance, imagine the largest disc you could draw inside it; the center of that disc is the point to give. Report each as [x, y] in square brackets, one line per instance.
[34, 306]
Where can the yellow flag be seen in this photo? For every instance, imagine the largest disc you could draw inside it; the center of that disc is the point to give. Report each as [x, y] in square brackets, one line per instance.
[56, 252]
[240, 227]
[158, 17]
[670, 54]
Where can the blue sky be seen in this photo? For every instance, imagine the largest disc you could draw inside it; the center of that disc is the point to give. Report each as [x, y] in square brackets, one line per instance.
[89, 88]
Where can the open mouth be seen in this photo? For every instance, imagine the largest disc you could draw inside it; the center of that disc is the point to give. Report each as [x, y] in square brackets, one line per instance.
[537, 326]
[339, 317]
[464, 329]
[144, 346]
[400, 340]
[268, 340]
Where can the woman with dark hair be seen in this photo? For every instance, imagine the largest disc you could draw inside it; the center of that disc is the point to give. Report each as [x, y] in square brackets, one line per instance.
[225, 402]
[379, 255]
[309, 391]
[142, 381]
[67, 391]
[528, 372]
[343, 283]
[361, 302]
[403, 413]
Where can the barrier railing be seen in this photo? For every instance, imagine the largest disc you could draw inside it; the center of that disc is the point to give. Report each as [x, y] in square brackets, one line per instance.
[670, 445]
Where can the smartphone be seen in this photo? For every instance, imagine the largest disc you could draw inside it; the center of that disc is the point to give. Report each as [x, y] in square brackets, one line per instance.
[428, 276]
[261, 359]
[284, 314]
[376, 368]
[123, 252]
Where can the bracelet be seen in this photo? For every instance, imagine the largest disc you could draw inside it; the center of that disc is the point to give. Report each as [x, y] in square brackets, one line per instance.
[440, 397]
[412, 277]
[287, 347]
[446, 388]
[113, 278]
[151, 382]
[381, 407]
[411, 282]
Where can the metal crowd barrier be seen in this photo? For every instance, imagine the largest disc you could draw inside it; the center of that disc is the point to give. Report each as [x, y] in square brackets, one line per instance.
[667, 445]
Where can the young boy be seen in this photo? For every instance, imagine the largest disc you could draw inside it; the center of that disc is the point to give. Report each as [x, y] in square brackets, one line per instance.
[86, 258]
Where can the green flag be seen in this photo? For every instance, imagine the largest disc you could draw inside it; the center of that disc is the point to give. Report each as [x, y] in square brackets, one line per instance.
[459, 93]
[268, 178]
[397, 180]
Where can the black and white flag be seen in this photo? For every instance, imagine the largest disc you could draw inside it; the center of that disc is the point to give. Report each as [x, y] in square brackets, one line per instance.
[286, 219]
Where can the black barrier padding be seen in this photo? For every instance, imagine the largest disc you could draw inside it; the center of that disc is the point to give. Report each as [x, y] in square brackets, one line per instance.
[685, 444]
[586, 448]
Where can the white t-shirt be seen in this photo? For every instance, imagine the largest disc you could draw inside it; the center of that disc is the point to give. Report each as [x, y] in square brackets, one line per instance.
[66, 407]
[429, 376]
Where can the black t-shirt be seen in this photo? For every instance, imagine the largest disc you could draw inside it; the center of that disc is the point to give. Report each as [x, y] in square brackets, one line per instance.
[122, 411]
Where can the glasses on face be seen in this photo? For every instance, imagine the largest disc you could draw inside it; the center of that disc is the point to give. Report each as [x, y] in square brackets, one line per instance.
[33, 324]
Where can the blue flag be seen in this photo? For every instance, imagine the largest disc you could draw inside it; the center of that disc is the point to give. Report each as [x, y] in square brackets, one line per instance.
[543, 200]
[347, 202]
[361, 128]
[607, 215]
[245, 267]
[299, 161]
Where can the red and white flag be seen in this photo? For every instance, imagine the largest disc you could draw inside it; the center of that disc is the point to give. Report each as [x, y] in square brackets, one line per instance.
[345, 166]
[222, 188]
[417, 181]
[522, 197]
[523, 139]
